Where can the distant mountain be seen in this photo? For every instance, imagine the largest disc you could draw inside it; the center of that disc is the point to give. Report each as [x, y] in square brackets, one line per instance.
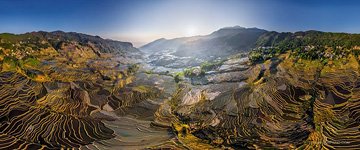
[60, 41]
[223, 42]
[104, 45]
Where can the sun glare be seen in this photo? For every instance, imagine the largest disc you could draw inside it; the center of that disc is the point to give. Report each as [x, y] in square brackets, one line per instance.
[191, 31]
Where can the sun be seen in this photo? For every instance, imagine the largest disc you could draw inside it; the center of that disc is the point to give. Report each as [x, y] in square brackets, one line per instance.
[191, 31]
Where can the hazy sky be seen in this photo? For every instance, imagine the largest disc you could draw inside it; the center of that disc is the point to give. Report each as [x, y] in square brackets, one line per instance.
[141, 21]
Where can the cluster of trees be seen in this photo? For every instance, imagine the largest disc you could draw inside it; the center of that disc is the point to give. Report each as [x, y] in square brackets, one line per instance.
[197, 71]
[315, 38]
[200, 71]
[261, 54]
[306, 45]
[21, 63]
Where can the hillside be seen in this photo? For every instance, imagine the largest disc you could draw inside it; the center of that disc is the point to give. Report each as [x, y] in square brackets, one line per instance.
[288, 91]
[62, 41]
[223, 42]
[294, 91]
[57, 82]
[313, 45]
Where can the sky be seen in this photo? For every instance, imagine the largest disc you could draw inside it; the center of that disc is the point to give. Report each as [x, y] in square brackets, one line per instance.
[142, 21]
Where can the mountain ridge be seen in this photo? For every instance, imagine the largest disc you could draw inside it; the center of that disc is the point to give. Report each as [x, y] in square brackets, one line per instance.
[227, 39]
[54, 38]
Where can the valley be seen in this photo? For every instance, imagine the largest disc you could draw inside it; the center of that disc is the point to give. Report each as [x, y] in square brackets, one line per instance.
[236, 88]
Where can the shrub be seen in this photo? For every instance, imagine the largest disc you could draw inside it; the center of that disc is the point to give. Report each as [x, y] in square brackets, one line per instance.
[256, 56]
[208, 66]
[193, 72]
[178, 77]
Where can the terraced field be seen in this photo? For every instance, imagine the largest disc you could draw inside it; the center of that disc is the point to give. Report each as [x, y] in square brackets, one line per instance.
[280, 104]
[69, 109]
[50, 100]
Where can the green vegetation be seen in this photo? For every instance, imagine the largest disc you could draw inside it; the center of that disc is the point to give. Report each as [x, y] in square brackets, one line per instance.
[142, 89]
[262, 54]
[148, 72]
[30, 61]
[208, 66]
[179, 77]
[133, 68]
[22, 42]
[198, 71]
[193, 72]
[287, 41]
[9, 63]
[310, 45]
